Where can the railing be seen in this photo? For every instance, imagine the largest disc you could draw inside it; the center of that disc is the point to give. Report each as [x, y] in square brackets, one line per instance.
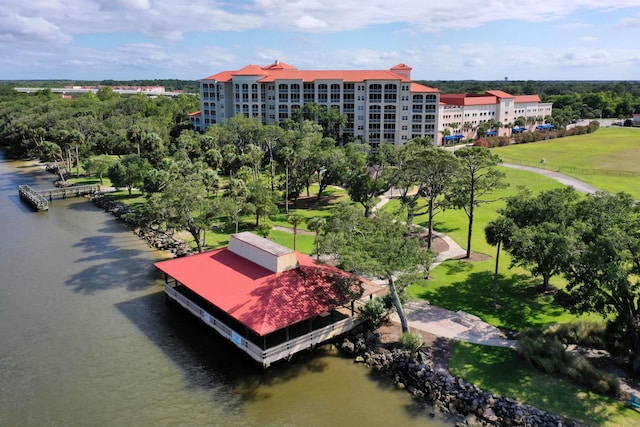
[33, 197]
[275, 353]
[64, 192]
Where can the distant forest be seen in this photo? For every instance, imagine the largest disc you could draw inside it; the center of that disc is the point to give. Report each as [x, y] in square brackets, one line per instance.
[584, 99]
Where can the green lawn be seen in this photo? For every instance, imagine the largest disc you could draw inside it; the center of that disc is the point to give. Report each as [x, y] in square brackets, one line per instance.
[468, 286]
[501, 372]
[608, 159]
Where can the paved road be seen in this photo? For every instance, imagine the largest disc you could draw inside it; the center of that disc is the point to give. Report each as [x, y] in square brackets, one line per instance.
[580, 186]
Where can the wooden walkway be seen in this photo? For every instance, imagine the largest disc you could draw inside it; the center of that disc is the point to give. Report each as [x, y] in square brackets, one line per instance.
[39, 199]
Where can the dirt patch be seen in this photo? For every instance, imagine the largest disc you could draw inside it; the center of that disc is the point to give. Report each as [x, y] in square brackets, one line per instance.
[475, 257]
[438, 349]
[309, 202]
[437, 244]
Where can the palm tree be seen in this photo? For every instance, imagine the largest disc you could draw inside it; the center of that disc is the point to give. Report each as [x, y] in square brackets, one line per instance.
[317, 225]
[288, 156]
[295, 220]
[498, 233]
[445, 132]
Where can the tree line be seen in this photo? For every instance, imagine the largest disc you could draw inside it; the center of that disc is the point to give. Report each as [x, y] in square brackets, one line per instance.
[576, 99]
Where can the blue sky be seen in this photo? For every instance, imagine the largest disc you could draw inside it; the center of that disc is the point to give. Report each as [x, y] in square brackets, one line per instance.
[439, 39]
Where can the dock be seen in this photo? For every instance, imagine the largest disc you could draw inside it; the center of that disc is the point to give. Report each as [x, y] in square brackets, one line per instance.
[39, 199]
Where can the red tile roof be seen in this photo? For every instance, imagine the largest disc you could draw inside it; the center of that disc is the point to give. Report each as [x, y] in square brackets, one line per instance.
[464, 99]
[261, 300]
[279, 65]
[350, 76]
[401, 67]
[195, 113]
[521, 99]
[281, 71]
[416, 87]
[490, 97]
[499, 94]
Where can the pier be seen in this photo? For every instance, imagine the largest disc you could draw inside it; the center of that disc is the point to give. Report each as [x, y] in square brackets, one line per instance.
[39, 199]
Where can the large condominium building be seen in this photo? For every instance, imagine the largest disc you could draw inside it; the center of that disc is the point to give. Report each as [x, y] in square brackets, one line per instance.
[381, 105]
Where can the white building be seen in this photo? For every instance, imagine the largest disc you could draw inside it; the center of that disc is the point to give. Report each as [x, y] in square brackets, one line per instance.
[381, 105]
[461, 114]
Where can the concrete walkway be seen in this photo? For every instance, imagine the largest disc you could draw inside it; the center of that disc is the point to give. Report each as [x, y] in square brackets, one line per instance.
[457, 325]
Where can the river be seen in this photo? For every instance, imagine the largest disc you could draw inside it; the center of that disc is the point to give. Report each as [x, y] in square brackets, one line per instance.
[86, 338]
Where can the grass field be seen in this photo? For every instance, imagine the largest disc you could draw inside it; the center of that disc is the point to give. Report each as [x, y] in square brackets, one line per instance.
[608, 159]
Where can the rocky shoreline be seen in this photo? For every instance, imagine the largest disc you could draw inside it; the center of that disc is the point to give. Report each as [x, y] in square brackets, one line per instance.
[158, 239]
[449, 395]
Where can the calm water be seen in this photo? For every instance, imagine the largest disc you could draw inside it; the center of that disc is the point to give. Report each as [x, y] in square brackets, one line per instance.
[86, 339]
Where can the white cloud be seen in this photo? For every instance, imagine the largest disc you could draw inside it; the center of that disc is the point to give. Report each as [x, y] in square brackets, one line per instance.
[20, 29]
[574, 25]
[427, 15]
[629, 23]
[316, 34]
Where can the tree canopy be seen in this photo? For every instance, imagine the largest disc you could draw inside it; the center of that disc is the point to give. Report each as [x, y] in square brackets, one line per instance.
[377, 247]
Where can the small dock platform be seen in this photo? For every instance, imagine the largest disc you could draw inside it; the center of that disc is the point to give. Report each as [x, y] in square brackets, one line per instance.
[39, 199]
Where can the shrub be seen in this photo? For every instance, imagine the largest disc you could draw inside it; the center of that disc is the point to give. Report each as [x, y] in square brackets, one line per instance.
[375, 312]
[264, 229]
[549, 355]
[411, 341]
[586, 334]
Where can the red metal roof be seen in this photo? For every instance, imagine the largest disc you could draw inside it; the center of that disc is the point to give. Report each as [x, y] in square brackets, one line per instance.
[261, 300]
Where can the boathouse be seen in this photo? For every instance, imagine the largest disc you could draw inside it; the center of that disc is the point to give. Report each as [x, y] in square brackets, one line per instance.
[268, 300]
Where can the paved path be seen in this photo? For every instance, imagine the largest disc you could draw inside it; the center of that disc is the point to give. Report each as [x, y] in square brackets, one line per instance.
[457, 325]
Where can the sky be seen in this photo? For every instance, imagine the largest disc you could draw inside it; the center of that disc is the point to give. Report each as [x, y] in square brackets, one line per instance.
[439, 39]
